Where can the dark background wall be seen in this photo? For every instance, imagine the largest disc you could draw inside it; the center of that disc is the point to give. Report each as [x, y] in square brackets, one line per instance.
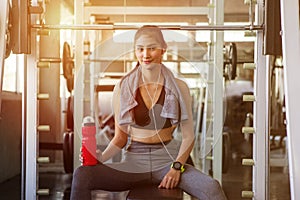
[10, 135]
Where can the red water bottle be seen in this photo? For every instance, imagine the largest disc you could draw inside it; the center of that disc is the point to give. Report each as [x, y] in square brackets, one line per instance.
[89, 145]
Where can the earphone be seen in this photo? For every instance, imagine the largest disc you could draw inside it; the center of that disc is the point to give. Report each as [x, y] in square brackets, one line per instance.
[153, 114]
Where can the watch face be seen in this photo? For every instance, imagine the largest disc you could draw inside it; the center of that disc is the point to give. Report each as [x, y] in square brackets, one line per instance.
[177, 165]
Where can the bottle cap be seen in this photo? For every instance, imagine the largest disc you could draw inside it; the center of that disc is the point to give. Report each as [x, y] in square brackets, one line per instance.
[88, 121]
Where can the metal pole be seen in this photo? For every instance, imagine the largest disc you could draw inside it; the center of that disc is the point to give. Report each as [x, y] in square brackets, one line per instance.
[260, 138]
[78, 84]
[24, 141]
[31, 130]
[164, 27]
[291, 59]
[218, 91]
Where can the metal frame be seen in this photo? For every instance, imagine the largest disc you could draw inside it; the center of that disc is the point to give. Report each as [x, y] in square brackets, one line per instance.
[215, 12]
[260, 140]
[291, 60]
[212, 127]
[29, 167]
[260, 169]
[79, 80]
[29, 132]
[218, 19]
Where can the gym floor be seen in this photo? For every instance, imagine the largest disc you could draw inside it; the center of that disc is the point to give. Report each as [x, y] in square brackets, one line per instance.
[237, 179]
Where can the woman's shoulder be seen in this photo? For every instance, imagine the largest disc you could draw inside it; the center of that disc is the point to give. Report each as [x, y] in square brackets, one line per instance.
[183, 87]
[181, 84]
[116, 90]
[117, 85]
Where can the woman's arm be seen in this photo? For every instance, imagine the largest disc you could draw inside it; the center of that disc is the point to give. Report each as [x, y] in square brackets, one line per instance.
[187, 126]
[172, 178]
[120, 136]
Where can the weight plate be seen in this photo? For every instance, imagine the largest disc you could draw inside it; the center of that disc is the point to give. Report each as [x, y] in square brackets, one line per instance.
[70, 119]
[66, 153]
[230, 61]
[68, 67]
[71, 150]
[67, 60]
[70, 84]
[226, 152]
[70, 79]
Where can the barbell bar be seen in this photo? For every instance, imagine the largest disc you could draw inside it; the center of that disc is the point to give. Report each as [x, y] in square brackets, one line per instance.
[131, 27]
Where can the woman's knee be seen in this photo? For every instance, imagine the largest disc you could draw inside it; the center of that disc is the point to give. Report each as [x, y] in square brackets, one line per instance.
[215, 189]
[201, 185]
[80, 175]
[80, 184]
[215, 185]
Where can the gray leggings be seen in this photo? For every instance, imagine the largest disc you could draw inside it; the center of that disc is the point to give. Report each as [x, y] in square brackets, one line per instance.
[151, 163]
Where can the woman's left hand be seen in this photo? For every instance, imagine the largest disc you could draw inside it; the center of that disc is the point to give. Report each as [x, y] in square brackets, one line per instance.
[170, 180]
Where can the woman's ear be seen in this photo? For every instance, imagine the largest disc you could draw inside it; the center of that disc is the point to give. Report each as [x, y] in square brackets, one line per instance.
[163, 51]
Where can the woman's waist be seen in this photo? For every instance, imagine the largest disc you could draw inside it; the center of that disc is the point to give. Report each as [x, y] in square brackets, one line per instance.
[136, 145]
[151, 136]
[140, 147]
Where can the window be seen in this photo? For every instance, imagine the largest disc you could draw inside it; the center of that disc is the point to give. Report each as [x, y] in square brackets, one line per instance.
[13, 73]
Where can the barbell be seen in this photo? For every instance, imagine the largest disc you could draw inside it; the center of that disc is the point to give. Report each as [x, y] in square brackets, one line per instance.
[134, 27]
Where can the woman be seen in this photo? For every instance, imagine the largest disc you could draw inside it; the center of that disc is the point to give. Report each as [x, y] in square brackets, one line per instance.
[149, 103]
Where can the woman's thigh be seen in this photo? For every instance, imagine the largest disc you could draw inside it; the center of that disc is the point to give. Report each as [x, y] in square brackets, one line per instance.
[107, 178]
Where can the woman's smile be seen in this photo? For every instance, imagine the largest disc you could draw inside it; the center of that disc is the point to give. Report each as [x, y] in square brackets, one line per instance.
[147, 62]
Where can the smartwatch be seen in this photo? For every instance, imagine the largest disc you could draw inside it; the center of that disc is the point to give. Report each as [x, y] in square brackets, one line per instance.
[178, 166]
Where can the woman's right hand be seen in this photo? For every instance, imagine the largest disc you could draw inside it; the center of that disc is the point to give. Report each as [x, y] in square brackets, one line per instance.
[98, 154]
[80, 156]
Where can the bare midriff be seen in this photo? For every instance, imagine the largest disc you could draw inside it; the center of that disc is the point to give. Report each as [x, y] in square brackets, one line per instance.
[152, 136]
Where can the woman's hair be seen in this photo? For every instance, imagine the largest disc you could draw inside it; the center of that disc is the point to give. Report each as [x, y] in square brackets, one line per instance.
[152, 31]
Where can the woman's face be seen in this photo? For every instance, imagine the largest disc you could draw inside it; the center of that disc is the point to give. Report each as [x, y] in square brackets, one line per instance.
[148, 51]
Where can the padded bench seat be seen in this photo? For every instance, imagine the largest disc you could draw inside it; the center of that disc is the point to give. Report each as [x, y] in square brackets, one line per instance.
[150, 192]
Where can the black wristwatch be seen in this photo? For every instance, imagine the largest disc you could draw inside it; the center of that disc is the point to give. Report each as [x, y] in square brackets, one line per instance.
[178, 166]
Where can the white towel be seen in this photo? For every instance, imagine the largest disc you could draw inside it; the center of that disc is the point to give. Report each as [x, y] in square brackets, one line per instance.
[174, 106]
